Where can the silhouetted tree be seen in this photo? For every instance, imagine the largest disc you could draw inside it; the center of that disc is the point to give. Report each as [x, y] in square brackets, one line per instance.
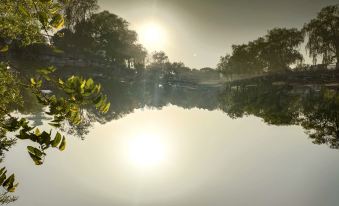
[323, 35]
[159, 57]
[76, 11]
[244, 60]
[280, 48]
[103, 35]
[274, 52]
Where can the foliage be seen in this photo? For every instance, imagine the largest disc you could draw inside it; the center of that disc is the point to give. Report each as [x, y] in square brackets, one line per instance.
[76, 11]
[103, 35]
[159, 57]
[273, 53]
[279, 48]
[323, 35]
[316, 111]
[6, 199]
[79, 93]
[21, 21]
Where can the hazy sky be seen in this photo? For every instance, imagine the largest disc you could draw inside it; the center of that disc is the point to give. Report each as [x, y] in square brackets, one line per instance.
[198, 32]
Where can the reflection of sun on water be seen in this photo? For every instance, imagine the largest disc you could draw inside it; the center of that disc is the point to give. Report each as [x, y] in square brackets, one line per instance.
[146, 151]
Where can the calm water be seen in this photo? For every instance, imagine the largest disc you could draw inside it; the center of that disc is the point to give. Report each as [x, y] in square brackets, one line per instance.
[166, 155]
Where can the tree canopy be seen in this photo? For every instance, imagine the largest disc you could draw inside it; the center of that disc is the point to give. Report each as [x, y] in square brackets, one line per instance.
[104, 35]
[323, 35]
[21, 22]
[76, 11]
[274, 52]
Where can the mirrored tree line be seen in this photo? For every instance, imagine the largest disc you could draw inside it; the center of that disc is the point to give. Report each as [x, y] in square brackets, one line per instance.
[315, 108]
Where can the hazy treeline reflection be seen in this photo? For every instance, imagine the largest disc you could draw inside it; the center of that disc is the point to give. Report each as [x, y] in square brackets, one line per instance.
[313, 107]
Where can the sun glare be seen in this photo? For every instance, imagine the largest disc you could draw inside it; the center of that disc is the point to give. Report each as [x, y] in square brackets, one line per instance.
[152, 36]
[146, 151]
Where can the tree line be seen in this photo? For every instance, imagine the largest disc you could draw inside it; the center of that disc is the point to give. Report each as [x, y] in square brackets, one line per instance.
[279, 48]
[79, 30]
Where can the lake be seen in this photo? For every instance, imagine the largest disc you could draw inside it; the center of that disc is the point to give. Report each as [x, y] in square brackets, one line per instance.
[198, 146]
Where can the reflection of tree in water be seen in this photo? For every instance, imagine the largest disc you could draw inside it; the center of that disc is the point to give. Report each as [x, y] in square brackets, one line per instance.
[316, 110]
[126, 97]
[321, 117]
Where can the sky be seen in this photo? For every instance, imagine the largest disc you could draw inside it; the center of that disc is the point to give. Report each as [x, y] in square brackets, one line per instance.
[198, 32]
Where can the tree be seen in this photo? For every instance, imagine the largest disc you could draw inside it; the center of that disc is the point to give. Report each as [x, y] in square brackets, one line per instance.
[21, 22]
[76, 11]
[323, 35]
[103, 35]
[244, 60]
[279, 48]
[135, 56]
[274, 52]
[159, 57]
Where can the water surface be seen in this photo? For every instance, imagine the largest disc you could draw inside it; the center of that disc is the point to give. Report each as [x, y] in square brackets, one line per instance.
[174, 156]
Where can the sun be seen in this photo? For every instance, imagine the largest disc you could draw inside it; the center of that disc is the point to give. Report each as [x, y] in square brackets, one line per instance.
[152, 36]
[146, 151]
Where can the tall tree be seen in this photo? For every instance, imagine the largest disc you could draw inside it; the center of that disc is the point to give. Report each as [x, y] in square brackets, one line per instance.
[280, 48]
[274, 52]
[104, 35]
[76, 11]
[323, 35]
[159, 57]
[244, 60]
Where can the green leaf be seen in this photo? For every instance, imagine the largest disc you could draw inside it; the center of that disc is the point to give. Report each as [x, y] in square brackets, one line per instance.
[105, 110]
[4, 48]
[23, 10]
[23, 135]
[69, 90]
[57, 21]
[89, 83]
[61, 82]
[37, 132]
[54, 8]
[37, 160]
[97, 100]
[55, 124]
[2, 178]
[63, 144]
[43, 18]
[13, 187]
[56, 140]
[9, 181]
[45, 138]
[2, 170]
[83, 84]
[35, 151]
